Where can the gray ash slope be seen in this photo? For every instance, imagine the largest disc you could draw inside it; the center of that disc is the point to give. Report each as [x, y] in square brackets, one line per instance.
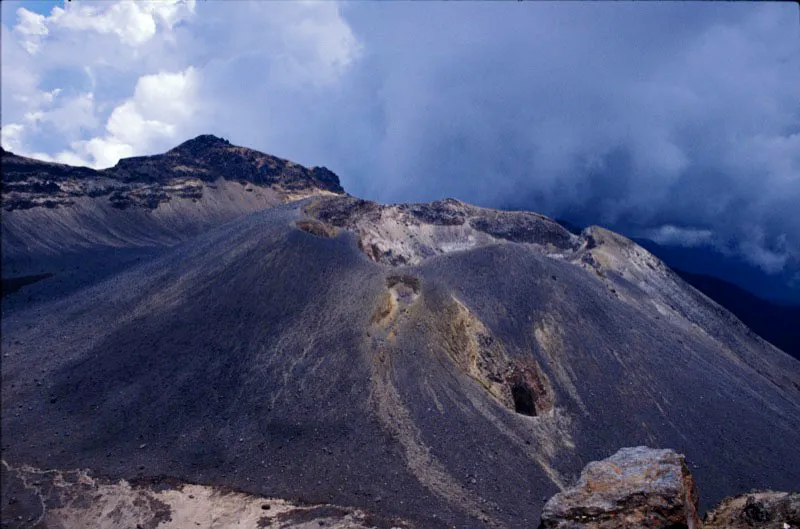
[80, 225]
[441, 363]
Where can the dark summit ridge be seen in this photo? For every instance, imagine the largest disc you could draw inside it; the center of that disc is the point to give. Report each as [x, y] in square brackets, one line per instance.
[201, 143]
[19, 169]
[147, 181]
[208, 157]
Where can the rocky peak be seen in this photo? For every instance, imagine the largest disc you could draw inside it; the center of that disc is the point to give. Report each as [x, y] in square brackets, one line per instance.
[209, 158]
[201, 143]
[147, 181]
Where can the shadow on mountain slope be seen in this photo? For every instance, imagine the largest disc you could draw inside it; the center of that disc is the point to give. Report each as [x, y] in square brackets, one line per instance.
[778, 324]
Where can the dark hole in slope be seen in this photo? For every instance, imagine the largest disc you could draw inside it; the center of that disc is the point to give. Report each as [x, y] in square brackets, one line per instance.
[530, 390]
[524, 400]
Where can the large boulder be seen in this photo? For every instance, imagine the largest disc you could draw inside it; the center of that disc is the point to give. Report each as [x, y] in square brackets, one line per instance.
[635, 488]
[764, 509]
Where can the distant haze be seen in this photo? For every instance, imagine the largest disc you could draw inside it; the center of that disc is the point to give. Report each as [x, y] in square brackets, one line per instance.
[676, 122]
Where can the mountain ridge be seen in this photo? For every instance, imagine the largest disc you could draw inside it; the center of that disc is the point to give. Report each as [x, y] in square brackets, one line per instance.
[56, 215]
[438, 363]
[147, 181]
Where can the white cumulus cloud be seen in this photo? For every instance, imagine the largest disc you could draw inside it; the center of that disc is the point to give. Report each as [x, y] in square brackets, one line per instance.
[11, 136]
[161, 107]
[134, 23]
[30, 29]
[127, 74]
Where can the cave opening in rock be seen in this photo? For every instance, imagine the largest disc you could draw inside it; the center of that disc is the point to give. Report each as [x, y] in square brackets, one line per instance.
[524, 400]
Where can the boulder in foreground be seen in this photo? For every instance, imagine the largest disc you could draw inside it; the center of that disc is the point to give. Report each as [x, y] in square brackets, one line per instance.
[636, 487]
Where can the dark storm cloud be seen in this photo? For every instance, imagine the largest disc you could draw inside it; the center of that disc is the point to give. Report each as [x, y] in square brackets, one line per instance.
[680, 121]
[669, 120]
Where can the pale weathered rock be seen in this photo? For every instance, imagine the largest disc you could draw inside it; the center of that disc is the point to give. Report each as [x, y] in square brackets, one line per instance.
[635, 488]
[73, 499]
[764, 509]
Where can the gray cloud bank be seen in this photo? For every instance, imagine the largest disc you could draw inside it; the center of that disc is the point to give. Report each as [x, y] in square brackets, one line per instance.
[666, 118]
[676, 120]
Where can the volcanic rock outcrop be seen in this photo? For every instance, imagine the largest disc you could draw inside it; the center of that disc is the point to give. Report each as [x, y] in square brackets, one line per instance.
[646, 488]
[636, 487]
[407, 234]
[758, 509]
[438, 363]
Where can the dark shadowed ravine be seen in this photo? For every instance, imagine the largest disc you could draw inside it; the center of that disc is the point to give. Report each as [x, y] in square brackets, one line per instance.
[430, 365]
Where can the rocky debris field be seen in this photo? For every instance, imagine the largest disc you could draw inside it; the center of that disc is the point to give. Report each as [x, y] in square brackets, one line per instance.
[636, 488]
[407, 234]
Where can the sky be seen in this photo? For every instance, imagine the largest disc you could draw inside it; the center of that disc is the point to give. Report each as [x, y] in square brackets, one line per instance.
[675, 121]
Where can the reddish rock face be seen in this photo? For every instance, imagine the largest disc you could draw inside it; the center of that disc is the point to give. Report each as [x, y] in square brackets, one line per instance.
[635, 488]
